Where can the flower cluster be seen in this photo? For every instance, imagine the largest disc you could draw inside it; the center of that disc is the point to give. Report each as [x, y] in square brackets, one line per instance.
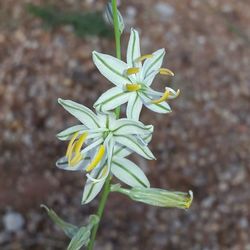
[100, 144]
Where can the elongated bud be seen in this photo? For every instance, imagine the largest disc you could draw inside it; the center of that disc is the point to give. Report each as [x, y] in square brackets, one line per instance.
[108, 15]
[158, 197]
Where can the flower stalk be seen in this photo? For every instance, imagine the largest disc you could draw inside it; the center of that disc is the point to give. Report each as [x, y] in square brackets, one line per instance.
[103, 140]
[106, 189]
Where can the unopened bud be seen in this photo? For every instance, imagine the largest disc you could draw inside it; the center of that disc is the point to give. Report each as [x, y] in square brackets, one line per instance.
[158, 197]
[108, 15]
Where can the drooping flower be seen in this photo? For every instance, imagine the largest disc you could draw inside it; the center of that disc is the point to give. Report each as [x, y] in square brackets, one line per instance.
[133, 80]
[99, 146]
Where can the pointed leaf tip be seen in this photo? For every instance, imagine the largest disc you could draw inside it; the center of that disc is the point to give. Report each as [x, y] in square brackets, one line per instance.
[69, 229]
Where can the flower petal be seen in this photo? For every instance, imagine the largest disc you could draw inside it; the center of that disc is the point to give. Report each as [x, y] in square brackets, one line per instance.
[151, 66]
[123, 151]
[80, 112]
[111, 99]
[133, 51]
[126, 126]
[62, 163]
[134, 107]
[67, 133]
[131, 143]
[92, 189]
[112, 68]
[129, 173]
[162, 107]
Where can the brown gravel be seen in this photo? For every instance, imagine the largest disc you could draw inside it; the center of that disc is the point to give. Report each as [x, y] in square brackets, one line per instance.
[203, 145]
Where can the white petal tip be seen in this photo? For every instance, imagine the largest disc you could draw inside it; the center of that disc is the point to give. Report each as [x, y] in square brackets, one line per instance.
[59, 100]
[190, 192]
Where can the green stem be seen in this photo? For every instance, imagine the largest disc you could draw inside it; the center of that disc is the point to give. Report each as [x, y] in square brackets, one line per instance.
[116, 30]
[105, 193]
[106, 189]
[117, 42]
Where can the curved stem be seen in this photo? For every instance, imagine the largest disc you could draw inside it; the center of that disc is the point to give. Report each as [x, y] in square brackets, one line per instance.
[106, 189]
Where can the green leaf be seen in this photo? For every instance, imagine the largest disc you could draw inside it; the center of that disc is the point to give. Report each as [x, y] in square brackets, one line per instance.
[84, 23]
[69, 229]
[82, 237]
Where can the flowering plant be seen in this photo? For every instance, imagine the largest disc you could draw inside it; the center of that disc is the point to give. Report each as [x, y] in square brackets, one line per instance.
[101, 143]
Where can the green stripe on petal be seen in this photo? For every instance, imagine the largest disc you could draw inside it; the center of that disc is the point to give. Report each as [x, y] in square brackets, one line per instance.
[134, 107]
[156, 107]
[135, 146]
[133, 51]
[92, 189]
[112, 68]
[126, 126]
[123, 151]
[68, 133]
[80, 112]
[153, 64]
[129, 173]
[111, 99]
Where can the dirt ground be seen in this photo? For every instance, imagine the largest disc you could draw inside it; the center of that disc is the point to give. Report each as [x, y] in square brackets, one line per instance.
[203, 145]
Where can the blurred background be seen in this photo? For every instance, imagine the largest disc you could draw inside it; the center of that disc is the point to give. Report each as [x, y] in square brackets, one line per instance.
[203, 145]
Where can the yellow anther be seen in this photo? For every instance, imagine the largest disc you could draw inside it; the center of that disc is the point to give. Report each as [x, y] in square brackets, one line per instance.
[70, 153]
[189, 199]
[133, 86]
[141, 58]
[165, 71]
[164, 97]
[98, 157]
[177, 93]
[131, 71]
[80, 142]
[77, 158]
[70, 146]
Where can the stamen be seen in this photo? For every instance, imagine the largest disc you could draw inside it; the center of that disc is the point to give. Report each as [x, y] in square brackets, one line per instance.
[70, 153]
[75, 160]
[141, 58]
[174, 94]
[96, 159]
[80, 142]
[165, 71]
[189, 199]
[102, 177]
[70, 145]
[133, 86]
[164, 97]
[177, 93]
[131, 71]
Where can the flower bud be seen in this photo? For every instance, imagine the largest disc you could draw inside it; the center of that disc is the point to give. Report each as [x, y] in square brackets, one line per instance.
[108, 15]
[158, 197]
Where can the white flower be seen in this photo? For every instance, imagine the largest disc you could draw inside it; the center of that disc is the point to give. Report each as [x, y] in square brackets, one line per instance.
[133, 80]
[99, 146]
